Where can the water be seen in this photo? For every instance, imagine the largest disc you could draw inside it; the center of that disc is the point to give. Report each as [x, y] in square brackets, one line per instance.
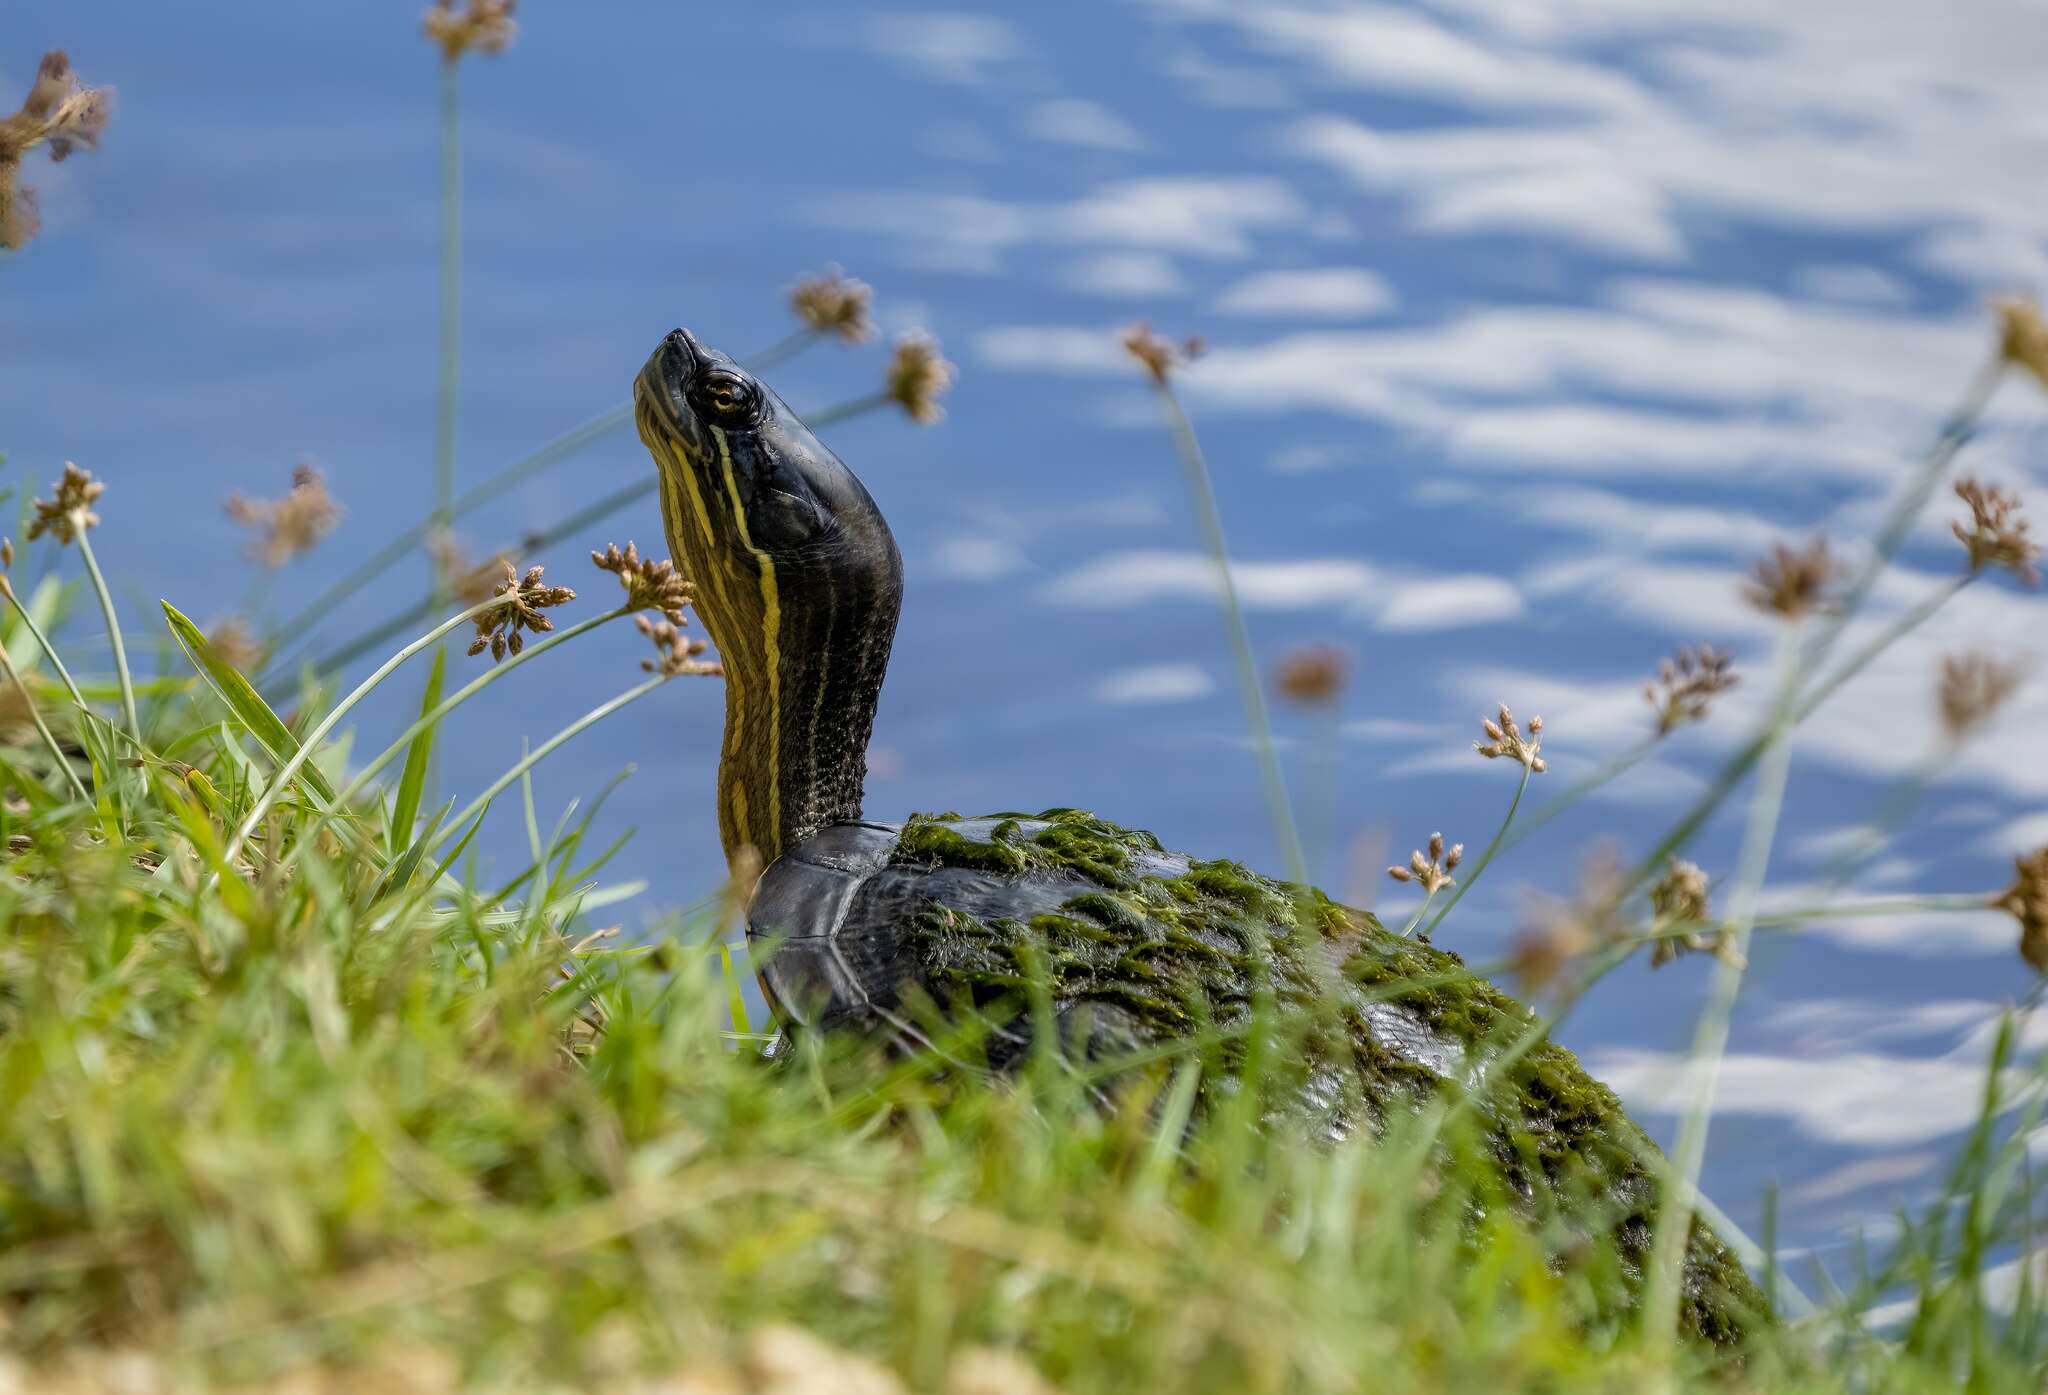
[1526, 335]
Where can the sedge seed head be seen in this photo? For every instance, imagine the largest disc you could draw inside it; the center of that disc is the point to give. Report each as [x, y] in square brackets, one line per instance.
[1791, 582]
[290, 526]
[524, 598]
[1312, 676]
[1687, 684]
[1997, 532]
[2026, 901]
[834, 303]
[70, 512]
[917, 376]
[484, 25]
[1158, 355]
[1972, 689]
[649, 584]
[60, 112]
[1505, 739]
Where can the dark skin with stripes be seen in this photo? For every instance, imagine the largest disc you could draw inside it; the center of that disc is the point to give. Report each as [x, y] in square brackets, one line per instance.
[799, 582]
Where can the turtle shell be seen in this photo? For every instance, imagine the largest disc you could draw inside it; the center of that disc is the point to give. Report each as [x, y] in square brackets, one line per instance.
[857, 920]
[892, 928]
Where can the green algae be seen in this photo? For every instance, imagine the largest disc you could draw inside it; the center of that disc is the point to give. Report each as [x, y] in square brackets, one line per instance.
[1154, 958]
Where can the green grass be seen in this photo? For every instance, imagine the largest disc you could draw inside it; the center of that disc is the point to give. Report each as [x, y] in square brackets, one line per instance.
[284, 1089]
[290, 1098]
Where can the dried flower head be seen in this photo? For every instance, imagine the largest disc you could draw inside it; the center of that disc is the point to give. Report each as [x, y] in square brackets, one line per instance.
[834, 303]
[6, 553]
[235, 642]
[1687, 684]
[1433, 871]
[649, 584]
[483, 25]
[1791, 582]
[1505, 738]
[70, 513]
[916, 377]
[1679, 897]
[1972, 689]
[2026, 900]
[498, 629]
[289, 526]
[1997, 535]
[1556, 931]
[675, 653]
[1313, 675]
[2023, 336]
[1157, 354]
[61, 112]
[466, 581]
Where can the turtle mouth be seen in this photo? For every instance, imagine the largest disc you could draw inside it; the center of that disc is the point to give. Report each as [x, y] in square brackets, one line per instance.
[659, 396]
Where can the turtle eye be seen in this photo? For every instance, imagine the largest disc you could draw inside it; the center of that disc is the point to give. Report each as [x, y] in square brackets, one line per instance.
[727, 395]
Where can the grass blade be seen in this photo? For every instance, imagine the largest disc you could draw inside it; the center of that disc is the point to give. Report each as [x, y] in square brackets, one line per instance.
[417, 757]
[241, 699]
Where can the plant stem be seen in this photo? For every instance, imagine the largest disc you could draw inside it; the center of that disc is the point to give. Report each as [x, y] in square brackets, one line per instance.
[42, 641]
[1237, 636]
[451, 304]
[379, 562]
[42, 729]
[838, 412]
[1604, 775]
[539, 753]
[99, 586]
[311, 742]
[397, 748]
[540, 458]
[1710, 1037]
[1416, 919]
[787, 347]
[1500, 834]
[575, 523]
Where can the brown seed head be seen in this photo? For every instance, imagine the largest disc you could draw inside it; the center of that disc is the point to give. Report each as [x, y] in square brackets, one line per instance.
[1679, 897]
[649, 585]
[2026, 900]
[466, 581]
[1791, 582]
[61, 112]
[1687, 684]
[498, 629]
[1505, 738]
[1972, 689]
[834, 303]
[70, 512]
[6, 553]
[289, 526]
[1997, 535]
[483, 25]
[234, 641]
[1312, 676]
[2023, 336]
[1434, 870]
[916, 377]
[675, 653]
[1555, 932]
[1158, 355]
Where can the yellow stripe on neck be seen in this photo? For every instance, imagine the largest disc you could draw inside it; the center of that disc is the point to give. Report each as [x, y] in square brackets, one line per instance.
[771, 647]
[678, 476]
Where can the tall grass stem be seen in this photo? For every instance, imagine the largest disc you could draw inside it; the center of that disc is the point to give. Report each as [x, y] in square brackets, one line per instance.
[1710, 1037]
[311, 743]
[106, 599]
[1237, 636]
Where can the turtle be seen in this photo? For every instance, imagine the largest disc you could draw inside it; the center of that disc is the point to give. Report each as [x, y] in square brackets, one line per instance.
[895, 928]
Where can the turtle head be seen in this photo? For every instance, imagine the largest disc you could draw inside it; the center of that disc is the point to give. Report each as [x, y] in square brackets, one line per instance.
[798, 580]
